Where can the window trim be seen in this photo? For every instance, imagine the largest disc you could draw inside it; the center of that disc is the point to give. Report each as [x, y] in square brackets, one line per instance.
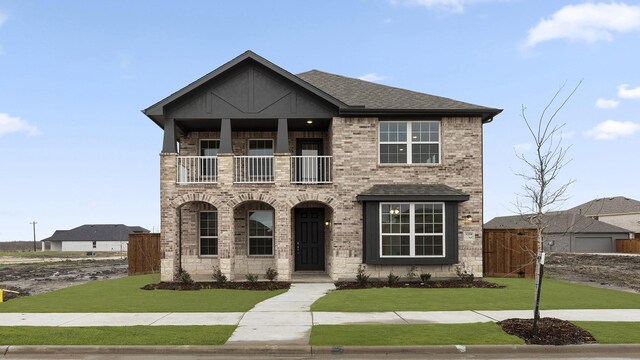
[249, 237]
[409, 142]
[412, 230]
[200, 237]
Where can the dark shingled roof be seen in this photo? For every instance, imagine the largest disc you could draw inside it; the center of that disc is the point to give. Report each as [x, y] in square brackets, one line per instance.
[360, 93]
[559, 223]
[434, 192]
[607, 206]
[96, 232]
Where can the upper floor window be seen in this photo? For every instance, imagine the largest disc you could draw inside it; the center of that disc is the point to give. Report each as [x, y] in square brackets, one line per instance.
[260, 147]
[409, 142]
[209, 147]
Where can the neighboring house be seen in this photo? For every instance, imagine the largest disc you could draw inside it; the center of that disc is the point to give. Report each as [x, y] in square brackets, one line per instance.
[100, 237]
[316, 172]
[618, 211]
[567, 232]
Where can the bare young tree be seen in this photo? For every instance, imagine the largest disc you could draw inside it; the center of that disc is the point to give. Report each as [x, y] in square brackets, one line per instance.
[542, 191]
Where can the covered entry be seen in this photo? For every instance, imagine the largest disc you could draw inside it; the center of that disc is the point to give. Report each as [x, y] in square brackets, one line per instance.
[309, 239]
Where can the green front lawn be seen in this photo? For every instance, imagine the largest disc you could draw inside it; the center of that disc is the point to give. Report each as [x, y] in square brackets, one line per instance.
[612, 332]
[517, 295]
[429, 334]
[115, 335]
[125, 295]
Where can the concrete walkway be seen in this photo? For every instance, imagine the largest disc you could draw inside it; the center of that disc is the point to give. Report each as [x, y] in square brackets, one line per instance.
[282, 319]
[275, 316]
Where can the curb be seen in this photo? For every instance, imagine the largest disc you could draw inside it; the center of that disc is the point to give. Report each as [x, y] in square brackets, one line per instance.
[307, 350]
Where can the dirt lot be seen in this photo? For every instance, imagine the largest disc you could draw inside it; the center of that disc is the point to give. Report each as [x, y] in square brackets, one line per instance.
[615, 271]
[35, 276]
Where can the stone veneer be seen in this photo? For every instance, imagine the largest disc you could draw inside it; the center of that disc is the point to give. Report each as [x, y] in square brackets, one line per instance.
[353, 144]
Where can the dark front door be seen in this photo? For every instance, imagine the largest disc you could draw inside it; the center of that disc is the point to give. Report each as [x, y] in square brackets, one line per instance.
[309, 239]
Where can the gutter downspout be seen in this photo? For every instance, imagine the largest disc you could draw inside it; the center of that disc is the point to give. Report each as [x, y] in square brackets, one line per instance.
[179, 239]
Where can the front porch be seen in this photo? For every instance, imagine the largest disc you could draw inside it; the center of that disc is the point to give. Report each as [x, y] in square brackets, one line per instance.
[261, 234]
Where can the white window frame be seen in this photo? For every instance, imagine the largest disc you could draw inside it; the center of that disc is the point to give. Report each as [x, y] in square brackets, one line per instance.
[261, 139]
[200, 237]
[272, 237]
[412, 230]
[409, 142]
[200, 146]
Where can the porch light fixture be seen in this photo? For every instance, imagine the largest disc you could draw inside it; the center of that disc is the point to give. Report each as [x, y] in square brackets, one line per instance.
[327, 223]
[309, 121]
[468, 219]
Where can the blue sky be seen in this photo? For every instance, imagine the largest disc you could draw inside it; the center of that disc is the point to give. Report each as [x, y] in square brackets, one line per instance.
[74, 75]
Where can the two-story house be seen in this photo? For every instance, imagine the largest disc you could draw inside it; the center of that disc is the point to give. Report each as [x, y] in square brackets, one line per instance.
[261, 168]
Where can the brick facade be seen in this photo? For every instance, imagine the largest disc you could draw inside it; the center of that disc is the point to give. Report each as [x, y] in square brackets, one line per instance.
[354, 146]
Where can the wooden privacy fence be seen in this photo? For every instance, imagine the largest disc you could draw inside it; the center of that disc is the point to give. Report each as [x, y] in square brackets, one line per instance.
[144, 253]
[509, 252]
[629, 246]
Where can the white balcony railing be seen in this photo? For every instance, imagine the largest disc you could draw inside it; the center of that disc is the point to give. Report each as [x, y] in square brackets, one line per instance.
[197, 169]
[311, 169]
[254, 169]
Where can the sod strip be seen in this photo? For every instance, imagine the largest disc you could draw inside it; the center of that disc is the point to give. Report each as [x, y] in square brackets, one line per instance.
[612, 332]
[428, 334]
[115, 335]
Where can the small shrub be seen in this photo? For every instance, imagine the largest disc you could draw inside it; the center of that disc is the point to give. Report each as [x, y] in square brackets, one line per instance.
[218, 276]
[184, 278]
[271, 274]
[392, 279]
[252, 278]
[463, 272]
[412, 272]
[361, 277]
[424, 277]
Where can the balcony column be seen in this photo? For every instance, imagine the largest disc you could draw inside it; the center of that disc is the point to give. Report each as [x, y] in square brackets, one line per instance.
[169, 141]
[225, 137]
[282, 156]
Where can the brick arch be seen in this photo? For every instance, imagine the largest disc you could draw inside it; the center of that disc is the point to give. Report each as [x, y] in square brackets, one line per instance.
[237, 200]
[196, 197]
[320, 198]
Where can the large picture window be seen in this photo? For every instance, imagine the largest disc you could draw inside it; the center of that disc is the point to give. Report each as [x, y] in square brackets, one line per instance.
[208, 233]
[412, 230]
[409, 142]
[260, 232]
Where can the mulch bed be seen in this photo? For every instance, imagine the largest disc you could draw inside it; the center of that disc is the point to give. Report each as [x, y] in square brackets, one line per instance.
[551, 331]
[435, 284]
[232, 285]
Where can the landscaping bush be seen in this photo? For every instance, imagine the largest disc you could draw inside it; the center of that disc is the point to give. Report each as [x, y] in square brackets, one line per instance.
[218, 276]
[424, 277]
[271, 274]
[392, 279]
[252, 278]
[184, 277]
[463, 272]
[361, 277]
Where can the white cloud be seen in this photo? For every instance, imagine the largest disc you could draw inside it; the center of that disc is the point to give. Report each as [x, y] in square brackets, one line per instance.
[456, 6]
[567, 134]
[626, 93]
[11, 124]
[522, 148]
[589, 22]
[373, 77]
[607, 103]
[612, 129]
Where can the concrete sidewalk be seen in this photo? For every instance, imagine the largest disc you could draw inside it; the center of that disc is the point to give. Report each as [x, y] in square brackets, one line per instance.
[275, 316]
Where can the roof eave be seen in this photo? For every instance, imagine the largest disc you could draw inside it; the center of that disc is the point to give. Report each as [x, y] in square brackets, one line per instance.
[487, 114]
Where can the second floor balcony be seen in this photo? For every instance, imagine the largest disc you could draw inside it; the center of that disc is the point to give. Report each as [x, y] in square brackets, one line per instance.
[254, 169]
